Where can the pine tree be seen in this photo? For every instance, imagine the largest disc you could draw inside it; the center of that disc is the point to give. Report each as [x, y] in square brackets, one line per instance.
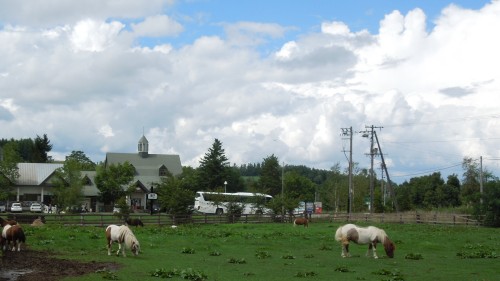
[213, 169]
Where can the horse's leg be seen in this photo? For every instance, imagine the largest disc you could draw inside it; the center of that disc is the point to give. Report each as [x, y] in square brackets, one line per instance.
[122, 249]
[369, 250]
[374, 250]
[345, 248]
[109, 247]
[19, 246]
[119, 249]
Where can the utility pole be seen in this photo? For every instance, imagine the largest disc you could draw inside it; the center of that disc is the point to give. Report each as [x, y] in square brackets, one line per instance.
[370, 133]
[481, 178]
[348, 132]
[393, 194]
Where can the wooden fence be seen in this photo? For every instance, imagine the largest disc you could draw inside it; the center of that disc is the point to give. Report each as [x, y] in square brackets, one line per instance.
[103, 219]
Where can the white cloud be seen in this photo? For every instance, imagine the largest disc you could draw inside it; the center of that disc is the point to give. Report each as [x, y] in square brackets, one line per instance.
[157, 26]
[93, 36]
[86, 81]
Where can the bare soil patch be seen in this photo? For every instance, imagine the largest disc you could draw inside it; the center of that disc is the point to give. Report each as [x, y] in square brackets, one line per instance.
[29, 265]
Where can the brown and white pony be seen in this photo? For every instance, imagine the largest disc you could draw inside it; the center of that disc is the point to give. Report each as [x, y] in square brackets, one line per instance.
[370, 235]
[124, 237]
[301, 221]
[11, 234]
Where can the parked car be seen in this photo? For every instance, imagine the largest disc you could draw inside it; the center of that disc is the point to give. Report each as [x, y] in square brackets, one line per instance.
[3, 208]
[36, 208]
[16, 208]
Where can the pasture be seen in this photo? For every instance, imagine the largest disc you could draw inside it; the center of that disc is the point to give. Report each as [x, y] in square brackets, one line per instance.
[278, 251]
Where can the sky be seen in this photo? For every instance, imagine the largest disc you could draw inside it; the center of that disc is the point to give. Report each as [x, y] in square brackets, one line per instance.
[265, 78]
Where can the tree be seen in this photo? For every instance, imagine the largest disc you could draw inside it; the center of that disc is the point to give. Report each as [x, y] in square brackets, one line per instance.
[490, 207]
[299, 187]
[174, 197]
[114, 181]
[470, 181]
[212, 171]
[79, 157]
[270, 178]
[68, 186]
[9, 172]
[41, 149]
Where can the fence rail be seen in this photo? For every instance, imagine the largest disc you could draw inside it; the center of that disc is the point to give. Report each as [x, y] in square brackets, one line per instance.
[103, 219]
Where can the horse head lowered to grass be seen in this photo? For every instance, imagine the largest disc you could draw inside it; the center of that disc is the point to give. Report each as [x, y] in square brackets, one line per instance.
[370, 235]
[124, 237]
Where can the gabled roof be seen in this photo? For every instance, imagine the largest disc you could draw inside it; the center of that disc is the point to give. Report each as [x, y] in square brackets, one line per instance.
[147, 166]
[35, 173]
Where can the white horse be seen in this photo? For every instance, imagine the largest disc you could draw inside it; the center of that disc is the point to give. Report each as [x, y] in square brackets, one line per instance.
[124, 237]
[364, 235]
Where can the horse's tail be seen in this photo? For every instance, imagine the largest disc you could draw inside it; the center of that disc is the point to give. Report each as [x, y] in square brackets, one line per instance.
[20, 235]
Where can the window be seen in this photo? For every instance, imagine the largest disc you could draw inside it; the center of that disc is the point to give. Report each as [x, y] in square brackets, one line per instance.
[163, 171]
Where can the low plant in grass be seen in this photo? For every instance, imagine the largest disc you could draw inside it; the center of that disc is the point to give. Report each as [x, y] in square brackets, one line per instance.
[214, 253]
[306, 274]
[308, 256]
[288, 257]
[477, 251]
[412, 256]
[392, 275]
[262, 254]
[189, 274]
[107, 274]
[237, 261]
[188, 250]
[342, 268]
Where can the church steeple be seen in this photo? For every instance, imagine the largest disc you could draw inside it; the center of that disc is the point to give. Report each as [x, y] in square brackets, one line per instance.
[142, 147]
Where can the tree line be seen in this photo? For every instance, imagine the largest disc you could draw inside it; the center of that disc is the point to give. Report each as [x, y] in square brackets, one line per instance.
[288, 184]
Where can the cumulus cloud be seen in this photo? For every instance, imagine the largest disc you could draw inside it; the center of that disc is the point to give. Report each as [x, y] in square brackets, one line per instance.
[157, 26]
[92, 36]
[87, 82]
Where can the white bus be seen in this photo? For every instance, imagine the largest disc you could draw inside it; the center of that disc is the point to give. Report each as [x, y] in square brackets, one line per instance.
[217, 202]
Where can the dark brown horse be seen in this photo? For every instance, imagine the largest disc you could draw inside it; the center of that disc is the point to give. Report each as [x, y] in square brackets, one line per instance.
[134, 222]
[301, 221]
[11, 234]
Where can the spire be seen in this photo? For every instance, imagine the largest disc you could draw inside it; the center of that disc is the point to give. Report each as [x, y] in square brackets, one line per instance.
[143, 147]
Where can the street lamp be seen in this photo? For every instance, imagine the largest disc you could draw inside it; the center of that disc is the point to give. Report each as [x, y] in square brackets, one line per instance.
[225, 186]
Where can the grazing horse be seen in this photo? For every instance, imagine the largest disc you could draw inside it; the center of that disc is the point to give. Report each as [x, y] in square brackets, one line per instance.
[301, 221]
[364, 235]
[135, 222]
[124, 237]
[11, 233]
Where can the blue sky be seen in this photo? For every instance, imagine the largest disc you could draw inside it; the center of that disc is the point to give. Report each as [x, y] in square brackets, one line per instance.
[263, 77]
[205, 17]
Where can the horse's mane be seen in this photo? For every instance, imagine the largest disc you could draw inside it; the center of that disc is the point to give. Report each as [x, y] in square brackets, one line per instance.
[128, 236]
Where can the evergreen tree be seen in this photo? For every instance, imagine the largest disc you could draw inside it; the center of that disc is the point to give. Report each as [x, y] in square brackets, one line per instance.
[41, 149]
[213, 169]
[270, 179]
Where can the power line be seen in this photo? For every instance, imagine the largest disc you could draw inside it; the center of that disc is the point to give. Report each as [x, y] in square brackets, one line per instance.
[428, 171]
[460, 119]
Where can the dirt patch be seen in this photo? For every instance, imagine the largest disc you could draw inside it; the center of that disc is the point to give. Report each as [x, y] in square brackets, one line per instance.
[29, 265]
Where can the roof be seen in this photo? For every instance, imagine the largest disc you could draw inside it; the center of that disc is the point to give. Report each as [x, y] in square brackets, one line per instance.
[35, 173]
[147, 166]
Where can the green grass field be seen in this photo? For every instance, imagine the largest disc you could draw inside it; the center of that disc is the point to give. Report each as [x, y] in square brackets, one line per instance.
[280, 252]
